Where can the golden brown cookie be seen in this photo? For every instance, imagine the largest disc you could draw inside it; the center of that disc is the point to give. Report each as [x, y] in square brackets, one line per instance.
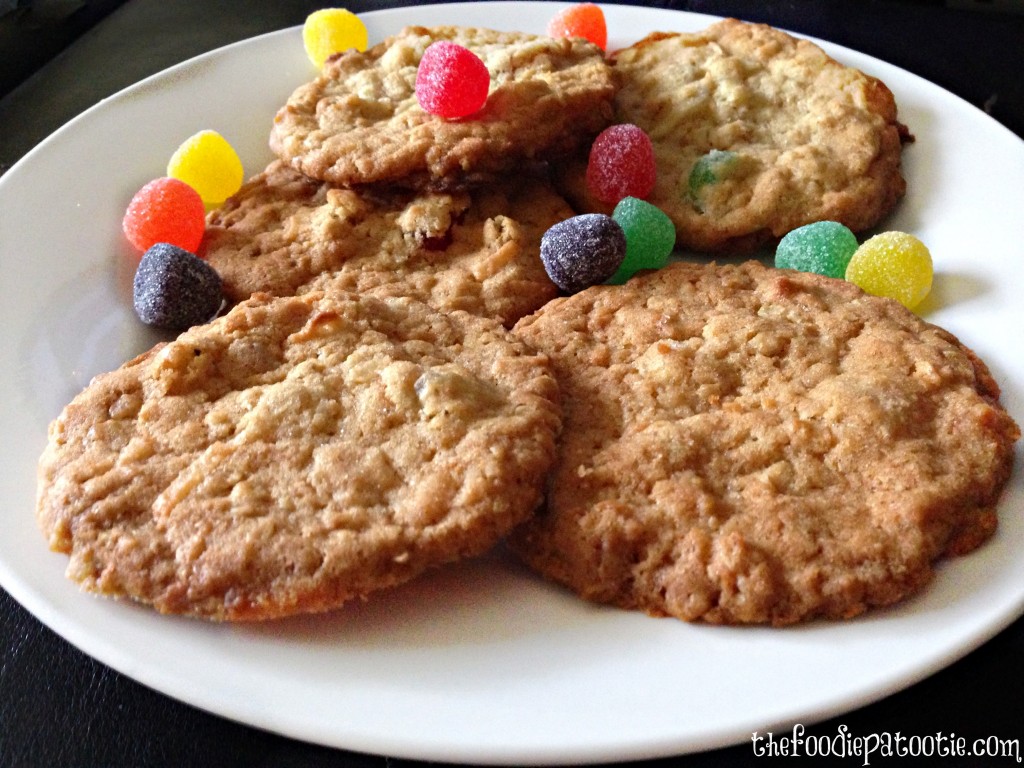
[477, 251]
[749, 445]
[297, 453]
[359, 122]
[755, 133]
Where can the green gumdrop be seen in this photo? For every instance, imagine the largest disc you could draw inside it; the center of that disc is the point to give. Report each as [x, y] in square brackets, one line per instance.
[824, 247]
[709, 169]
[650, 237]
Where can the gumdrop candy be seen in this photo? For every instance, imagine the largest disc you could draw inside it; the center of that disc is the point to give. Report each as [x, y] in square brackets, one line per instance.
[451, 80]
[709, 168]
[621, 164]
[165, 210]
[208, 164]
[650, 237]
[893, 264]
[584, 20]
[582, 251]
[330, 31]
[175, 289]
[822, 247]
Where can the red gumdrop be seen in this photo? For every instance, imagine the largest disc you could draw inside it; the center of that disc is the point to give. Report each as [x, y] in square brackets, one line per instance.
[451, 81]
[621, 164]
[584, 20]
[166, 210]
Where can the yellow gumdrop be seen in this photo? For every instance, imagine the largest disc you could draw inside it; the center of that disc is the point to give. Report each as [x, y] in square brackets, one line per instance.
[330, 31]
[893, 264]
[208, 164]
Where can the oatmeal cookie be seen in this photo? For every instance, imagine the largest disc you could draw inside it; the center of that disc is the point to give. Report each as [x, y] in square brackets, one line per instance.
[755, 133]
[359, 122]
[297, 453]
[749, 445]
[479, 251]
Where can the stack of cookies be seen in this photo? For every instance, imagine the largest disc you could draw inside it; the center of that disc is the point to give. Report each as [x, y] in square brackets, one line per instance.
[371, 192]
[397, 383]
[362, 412]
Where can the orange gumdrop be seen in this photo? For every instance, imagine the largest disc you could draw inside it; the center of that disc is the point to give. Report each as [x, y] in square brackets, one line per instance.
[584, 20]
[166, 210]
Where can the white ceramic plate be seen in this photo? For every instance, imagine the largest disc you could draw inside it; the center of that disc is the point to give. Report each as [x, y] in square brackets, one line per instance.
[479, 662]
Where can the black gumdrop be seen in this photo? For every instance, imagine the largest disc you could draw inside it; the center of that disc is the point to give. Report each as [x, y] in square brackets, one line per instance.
[175, 289]
[582, 251]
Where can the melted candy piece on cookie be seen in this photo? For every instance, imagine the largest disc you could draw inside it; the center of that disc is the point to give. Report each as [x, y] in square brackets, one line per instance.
[650, 237]
[330, 31]
[621, 164]
[165, 210]
[709, 169]
[208, 164]
[584, 20]
[582, 251]
[823, 247]
[893, 264]
[451, 81]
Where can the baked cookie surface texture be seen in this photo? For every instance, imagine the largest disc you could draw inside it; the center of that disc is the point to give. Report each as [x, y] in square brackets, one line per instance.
[755, 133]
[749, 445]
[359, 122]
[477, 251]
[295, 454]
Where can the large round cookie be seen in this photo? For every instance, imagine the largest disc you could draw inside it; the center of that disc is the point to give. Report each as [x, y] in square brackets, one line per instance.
[297, 453]
[743, 444]
[360, 121]
[788, 135]
[478, 251]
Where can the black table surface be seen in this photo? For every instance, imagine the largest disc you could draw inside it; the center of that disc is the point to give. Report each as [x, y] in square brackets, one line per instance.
[59, 707]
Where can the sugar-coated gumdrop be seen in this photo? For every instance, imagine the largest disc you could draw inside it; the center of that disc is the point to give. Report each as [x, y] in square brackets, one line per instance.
[582, 251]
[165, 210]
[175, 289]
[822, 247]
[709, 168]
[208, 164]
[451, 80]
[584, 20]
[650, 237]
[621, 164]
[893, 264]
[330, 31]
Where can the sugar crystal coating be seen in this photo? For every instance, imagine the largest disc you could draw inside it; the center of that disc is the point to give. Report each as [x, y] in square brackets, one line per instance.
[823, 247]
[582, 251]
[330, 31]
[893, 264]
[451, 80]
[208, 163]
[621, 164]
[165, 210]
[175, 289]
[650, 237]
[584, 20]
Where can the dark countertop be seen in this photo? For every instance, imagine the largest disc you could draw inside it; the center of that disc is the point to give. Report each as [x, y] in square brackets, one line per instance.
[58, 707]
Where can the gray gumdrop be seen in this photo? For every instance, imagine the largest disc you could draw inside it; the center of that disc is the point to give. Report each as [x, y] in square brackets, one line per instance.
[582, 251]
[175, 289]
